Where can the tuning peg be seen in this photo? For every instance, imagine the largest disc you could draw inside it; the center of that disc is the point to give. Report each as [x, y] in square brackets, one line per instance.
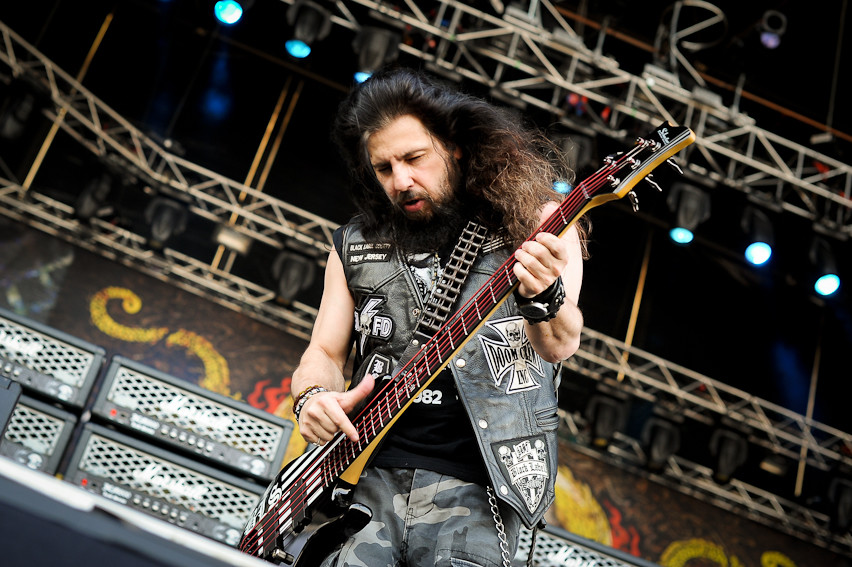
[650, 179]
[634, 200]
[674, 164]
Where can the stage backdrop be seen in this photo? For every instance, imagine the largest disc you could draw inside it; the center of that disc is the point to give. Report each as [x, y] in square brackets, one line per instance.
[159, 325]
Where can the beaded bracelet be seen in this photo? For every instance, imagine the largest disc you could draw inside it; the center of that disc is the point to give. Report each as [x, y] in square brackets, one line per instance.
[303, 397]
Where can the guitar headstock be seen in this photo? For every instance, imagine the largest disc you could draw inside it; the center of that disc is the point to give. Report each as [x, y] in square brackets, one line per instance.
[621, 172]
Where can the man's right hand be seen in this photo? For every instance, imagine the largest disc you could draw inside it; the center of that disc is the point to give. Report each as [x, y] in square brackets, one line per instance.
[326, 413]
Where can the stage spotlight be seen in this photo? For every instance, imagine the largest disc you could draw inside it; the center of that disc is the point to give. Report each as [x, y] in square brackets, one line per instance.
[232, 239]
[375, 47]
[229, 12]
[758, 228]
[691, 206]
[166, 218]
[607, 416]
[310, 22]
[661, 440]
[293, 273]
[827, 278]
[840, 497]
[23, 102]
[772, 27]
[562, 186]
[93, 196]
[730, 450]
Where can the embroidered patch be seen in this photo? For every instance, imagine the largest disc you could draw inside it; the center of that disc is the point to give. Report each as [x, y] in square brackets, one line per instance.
[368, 322]
[524, 463]
[361, 252]
[511, 356]
[380, 366]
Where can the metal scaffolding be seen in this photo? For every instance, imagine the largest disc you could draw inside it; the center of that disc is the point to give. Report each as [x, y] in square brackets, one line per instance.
[537, 60]
[534, 66]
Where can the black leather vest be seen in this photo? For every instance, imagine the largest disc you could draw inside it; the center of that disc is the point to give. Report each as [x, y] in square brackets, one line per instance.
[509, 392]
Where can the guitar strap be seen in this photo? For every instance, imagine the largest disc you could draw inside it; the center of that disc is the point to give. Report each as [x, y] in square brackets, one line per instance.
[446, 293]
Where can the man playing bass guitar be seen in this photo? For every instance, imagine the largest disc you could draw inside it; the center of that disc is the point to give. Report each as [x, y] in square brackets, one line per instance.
[473, 455]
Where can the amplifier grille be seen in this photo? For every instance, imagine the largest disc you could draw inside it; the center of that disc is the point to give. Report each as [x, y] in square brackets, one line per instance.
[551, 551]
[205, 417]
[34, 430]
[179, 486]
[37, 435]
[44, 354]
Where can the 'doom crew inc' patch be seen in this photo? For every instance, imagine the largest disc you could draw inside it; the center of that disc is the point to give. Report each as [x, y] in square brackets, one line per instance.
[511, 357]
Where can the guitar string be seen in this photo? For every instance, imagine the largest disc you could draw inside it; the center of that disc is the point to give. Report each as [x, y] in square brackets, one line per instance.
[482, 303]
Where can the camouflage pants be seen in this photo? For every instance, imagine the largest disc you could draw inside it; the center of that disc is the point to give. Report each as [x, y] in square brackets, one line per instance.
[422, 518]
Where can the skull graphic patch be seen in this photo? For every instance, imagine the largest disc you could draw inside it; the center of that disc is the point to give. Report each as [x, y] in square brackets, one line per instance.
[511, 357]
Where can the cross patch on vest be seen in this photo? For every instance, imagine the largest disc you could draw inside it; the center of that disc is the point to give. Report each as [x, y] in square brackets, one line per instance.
[511, 356]
[524, 462]
[368, 322]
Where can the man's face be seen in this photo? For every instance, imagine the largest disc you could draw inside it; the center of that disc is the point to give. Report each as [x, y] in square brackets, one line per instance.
[413, 167]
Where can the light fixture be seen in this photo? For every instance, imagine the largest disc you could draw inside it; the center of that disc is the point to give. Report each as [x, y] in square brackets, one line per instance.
[761, 237]
[730, 450]
[840, 497]
[310, 22]
[562, 186]
[691, 206]
[293, 273]
[375, 47]
[232, 239]
[607, 415]
[772, 27]
[166, 219]
[229, 12]
[660, 440]
[827, 278]
[21, 105]
[774, 464]
[93, 196]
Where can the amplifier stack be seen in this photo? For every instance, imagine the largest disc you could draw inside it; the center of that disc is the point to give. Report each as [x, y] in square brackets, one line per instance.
[137, 436]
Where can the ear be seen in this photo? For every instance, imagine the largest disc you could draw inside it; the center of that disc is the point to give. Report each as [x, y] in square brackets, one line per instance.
[457, 153]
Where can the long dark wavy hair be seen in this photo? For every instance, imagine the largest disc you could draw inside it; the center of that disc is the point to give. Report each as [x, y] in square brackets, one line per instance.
[508, 167]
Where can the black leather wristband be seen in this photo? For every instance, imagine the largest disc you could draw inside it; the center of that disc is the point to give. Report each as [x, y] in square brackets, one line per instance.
[545, 305]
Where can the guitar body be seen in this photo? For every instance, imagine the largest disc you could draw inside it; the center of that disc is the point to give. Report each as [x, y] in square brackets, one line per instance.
[283, 527]
[330, 535]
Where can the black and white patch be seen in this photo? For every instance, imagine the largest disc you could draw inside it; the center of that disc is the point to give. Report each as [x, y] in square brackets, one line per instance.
[524, 463]
[511, 357]
[380, 366]
[361, 252]
[368, 322]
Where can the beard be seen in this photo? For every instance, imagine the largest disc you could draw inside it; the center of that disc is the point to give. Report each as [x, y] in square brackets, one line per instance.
[416, 235]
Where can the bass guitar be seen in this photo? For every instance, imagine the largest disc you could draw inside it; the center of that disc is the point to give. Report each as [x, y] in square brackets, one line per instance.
[321, 479]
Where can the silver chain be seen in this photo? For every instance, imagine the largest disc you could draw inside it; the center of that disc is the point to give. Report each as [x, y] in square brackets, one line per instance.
[501, 531]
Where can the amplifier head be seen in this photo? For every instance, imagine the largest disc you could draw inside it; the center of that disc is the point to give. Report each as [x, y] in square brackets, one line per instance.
[37, 435]
[48, 362]
[192, 420]
[162, 484]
